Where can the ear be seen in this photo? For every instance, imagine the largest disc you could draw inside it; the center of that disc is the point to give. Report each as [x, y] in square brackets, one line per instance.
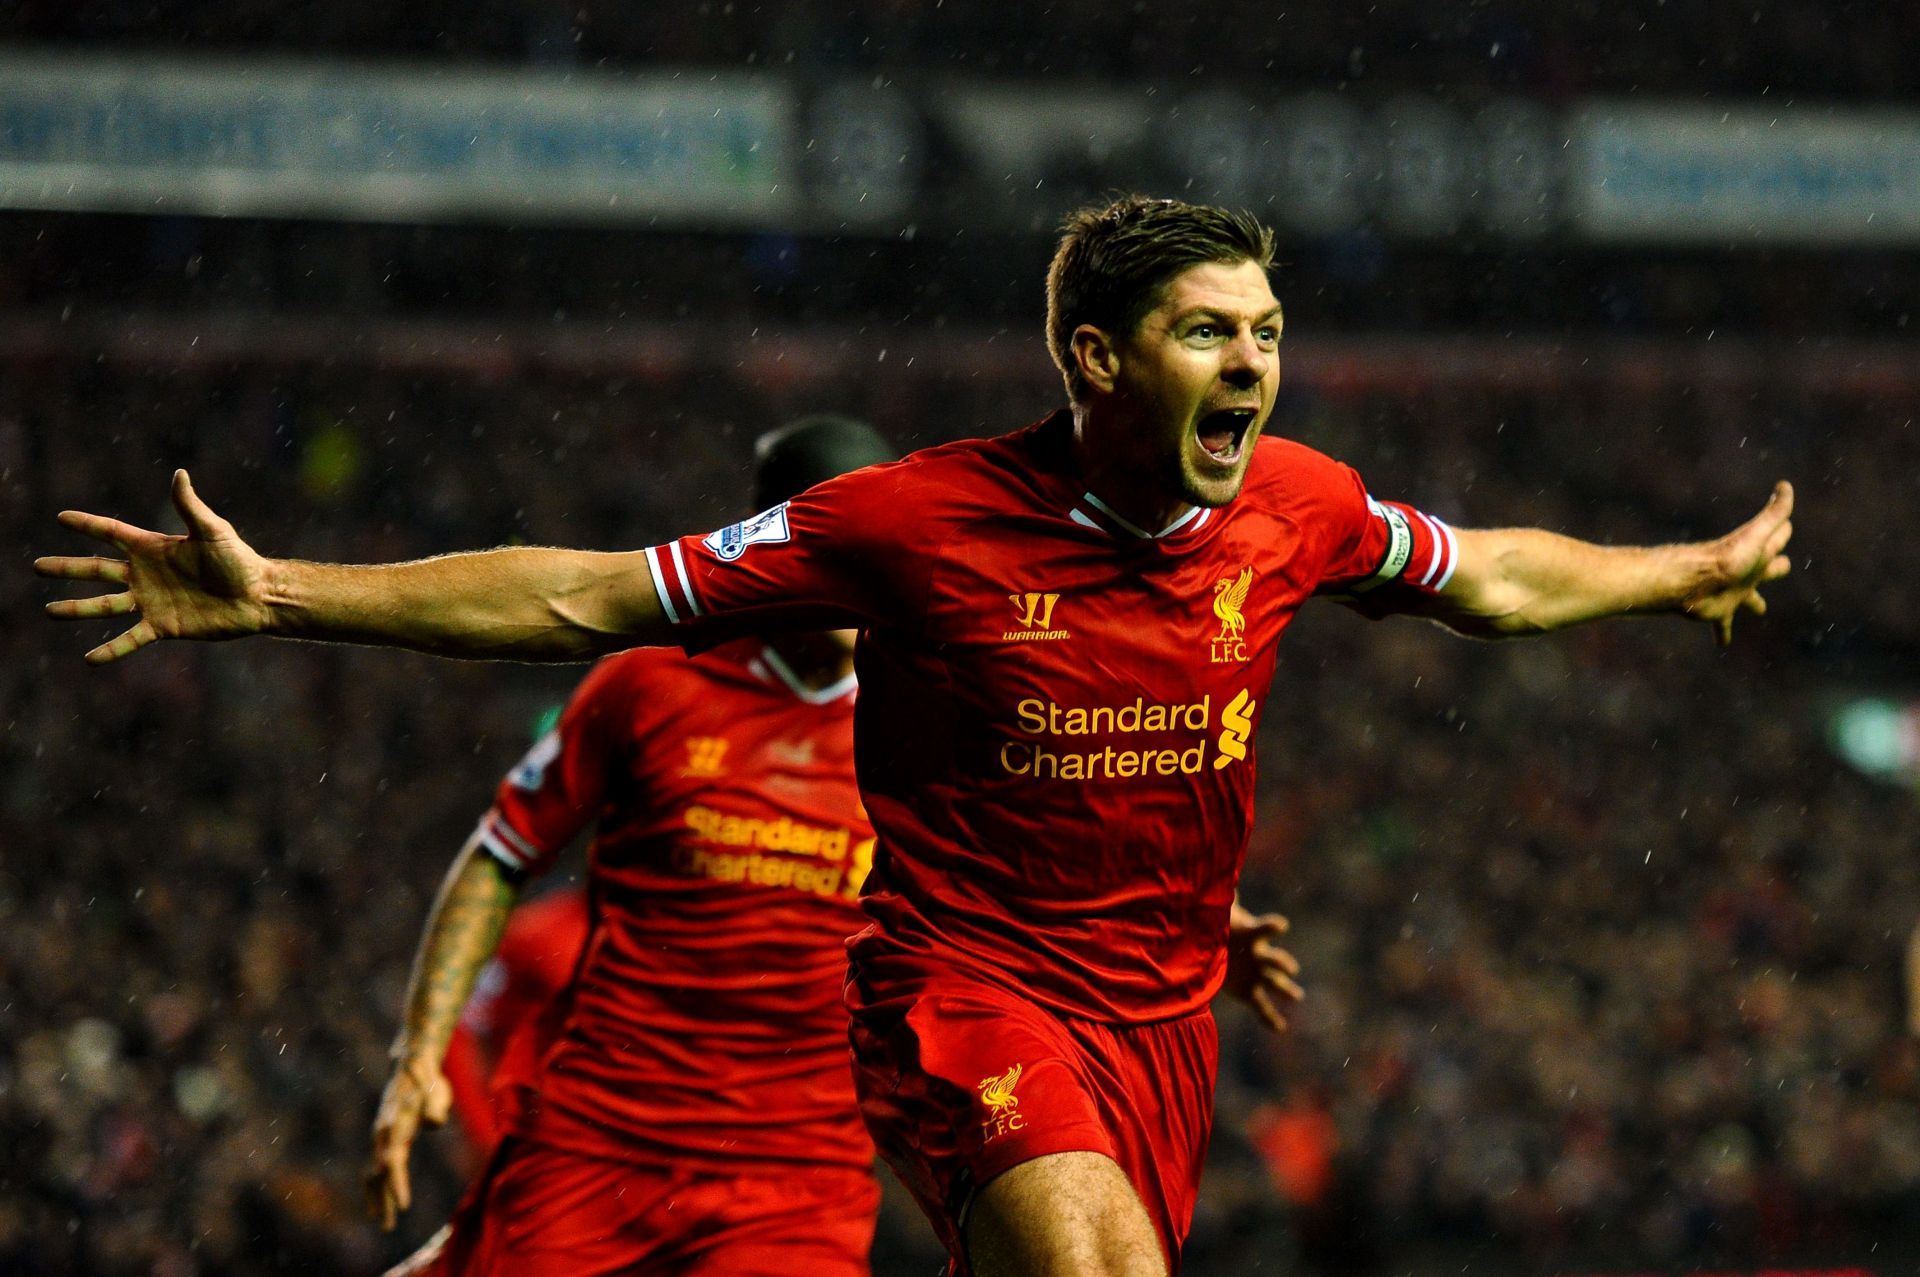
[1097, 358]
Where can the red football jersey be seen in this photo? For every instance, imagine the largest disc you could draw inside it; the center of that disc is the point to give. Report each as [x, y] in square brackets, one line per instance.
[705, 1021]
[536, 959]
[1058, 708]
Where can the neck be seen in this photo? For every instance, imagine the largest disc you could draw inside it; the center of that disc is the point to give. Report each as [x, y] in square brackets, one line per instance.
[817, 660]
[1124, 484]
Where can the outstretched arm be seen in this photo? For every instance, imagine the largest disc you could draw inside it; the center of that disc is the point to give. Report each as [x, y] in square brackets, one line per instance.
[527, 604]
[1520, 581]
[462, 934]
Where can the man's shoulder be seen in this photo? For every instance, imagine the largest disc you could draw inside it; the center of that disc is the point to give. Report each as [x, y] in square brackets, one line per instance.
[967, 473]
[1288, 477]
[644, 673]
[1278, 457]
[634, 691]
[636, 664]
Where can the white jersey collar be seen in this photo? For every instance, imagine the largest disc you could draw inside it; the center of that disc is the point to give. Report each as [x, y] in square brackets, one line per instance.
[770, 664]
[1196, 517]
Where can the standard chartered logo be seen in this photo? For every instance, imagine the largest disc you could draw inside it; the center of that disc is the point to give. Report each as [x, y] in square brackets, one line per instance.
[802, 849]
[1048, 744]
[1236, 725]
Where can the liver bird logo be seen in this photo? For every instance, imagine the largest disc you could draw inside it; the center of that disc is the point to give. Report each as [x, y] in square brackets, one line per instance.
[997, 1092]
[1229, 596]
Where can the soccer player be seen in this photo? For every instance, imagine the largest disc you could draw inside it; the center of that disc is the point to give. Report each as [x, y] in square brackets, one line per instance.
[685, 1104]
[1068, 635]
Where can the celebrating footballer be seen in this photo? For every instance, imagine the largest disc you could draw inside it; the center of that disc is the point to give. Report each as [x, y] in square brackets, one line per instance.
[1068, 636]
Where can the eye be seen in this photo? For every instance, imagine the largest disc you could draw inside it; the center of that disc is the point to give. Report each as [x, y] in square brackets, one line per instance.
[1205, 332]
[1268, 335]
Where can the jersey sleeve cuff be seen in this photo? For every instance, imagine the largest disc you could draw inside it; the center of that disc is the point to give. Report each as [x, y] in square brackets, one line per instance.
[504, 844]
[667, 564]
[1445, 557]
[1399, 547]
[1421, 550]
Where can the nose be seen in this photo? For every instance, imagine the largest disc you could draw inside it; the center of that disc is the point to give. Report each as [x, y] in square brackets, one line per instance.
[1247, 362]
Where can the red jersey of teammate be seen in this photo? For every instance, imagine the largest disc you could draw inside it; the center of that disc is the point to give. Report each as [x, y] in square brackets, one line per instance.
[705, 1022]
[1056, 725]
[487, 1060]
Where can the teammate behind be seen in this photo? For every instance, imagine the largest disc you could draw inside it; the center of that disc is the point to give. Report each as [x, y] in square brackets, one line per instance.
[684, 1105]
[1068, 635]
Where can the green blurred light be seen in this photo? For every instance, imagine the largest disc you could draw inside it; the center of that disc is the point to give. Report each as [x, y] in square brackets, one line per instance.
[1879, 737]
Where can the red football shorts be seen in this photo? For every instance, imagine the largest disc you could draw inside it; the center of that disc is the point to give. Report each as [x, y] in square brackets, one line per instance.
[960, 1080]
[538, 1211]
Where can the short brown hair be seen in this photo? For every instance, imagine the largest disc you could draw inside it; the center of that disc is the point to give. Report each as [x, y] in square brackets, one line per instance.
[1116, 260]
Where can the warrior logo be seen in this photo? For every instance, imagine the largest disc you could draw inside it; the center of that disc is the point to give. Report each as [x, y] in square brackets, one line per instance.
[1002, 1104]
[1034, 612]
[1229, 597]
[703, 755]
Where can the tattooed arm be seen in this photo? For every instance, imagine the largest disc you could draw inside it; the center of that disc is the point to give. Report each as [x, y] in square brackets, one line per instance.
[462, 933]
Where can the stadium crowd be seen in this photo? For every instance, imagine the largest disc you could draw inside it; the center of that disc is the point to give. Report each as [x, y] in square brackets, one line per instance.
[1601, 945]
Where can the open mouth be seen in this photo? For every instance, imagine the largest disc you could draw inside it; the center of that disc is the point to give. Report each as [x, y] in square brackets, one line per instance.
[1223, 432]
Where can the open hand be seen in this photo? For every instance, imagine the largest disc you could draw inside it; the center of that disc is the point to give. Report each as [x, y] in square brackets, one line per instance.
[208, 584]
[1744, 560]
[417, 1094]
[1260, 972]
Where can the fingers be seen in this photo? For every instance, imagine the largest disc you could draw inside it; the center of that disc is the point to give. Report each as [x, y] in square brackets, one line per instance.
[1773, 520]
[114, 571]
[1267, 929]
[1268, 1010]
[63, 568]
[100, 527]
[1778, 541]
[1275, 986]
[380, 1203]
[439, 1104]
[389, 1192]
[417, 1093]
[389, 1186]
[1278, 970]
[200, 519]
[91, 609]
[399, 1192]
[1271, 956]
[1780, 504]
[126, 645]
[1780, 565]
